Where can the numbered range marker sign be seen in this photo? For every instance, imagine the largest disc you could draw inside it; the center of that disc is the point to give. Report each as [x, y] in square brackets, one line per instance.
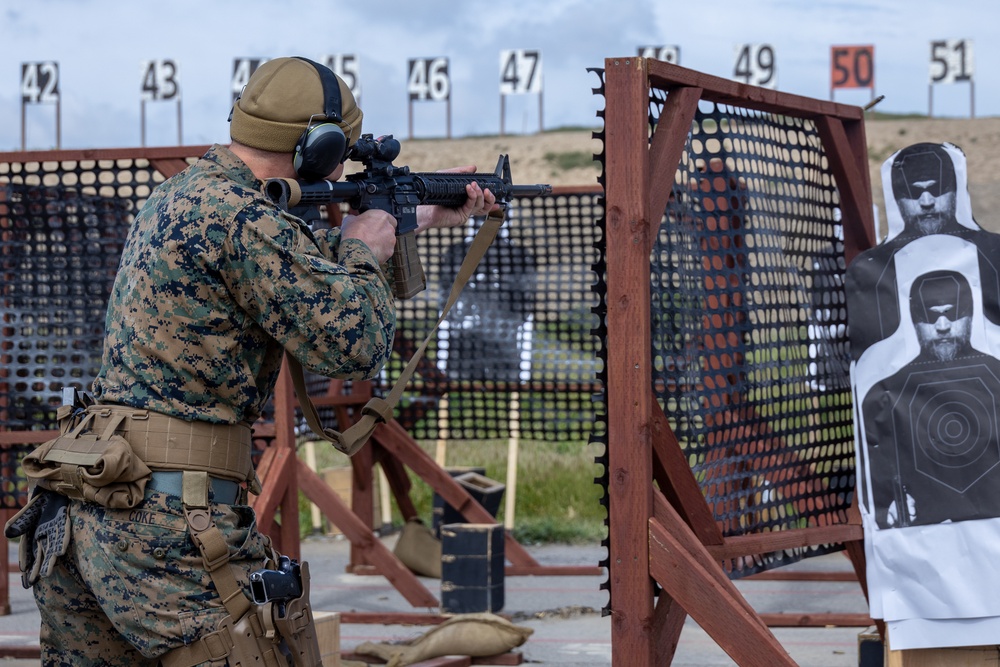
[520, 72]
[243, 68]
[159, 80]
[669, 54]
[346, 66]
[39, 85]
[755, 65]
[852, 67]
[428, 80]
[952, 61]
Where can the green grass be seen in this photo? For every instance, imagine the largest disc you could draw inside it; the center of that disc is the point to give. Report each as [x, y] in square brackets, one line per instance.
[557, 498]
[571, 160]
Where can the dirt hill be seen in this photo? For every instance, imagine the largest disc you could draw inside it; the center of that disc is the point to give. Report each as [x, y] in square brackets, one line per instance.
[565, 157]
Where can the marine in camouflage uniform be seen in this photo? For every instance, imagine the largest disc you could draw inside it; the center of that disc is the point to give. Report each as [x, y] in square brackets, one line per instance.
[215, 284]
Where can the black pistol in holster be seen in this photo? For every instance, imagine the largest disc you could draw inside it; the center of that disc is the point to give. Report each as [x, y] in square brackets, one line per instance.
[284, 592]
[397, 191]
[279, 586]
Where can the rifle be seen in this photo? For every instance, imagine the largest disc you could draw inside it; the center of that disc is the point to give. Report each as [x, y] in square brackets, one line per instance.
[397, 191]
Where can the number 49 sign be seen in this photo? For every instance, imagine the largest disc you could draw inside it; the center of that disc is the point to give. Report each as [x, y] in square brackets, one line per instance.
[755, 65]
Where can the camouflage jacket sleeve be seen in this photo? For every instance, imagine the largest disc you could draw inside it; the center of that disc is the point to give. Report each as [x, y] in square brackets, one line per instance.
[216, 283]
[325, 300]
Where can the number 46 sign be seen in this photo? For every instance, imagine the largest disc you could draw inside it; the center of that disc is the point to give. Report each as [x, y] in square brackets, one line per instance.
[428, 80]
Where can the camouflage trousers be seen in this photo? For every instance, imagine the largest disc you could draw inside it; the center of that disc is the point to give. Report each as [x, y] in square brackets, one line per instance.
[132, 585]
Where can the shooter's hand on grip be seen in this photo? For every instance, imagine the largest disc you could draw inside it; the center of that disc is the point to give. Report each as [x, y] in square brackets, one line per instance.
[377, 228]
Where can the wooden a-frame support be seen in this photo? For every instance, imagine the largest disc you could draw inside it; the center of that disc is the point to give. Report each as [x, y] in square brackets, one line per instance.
[283, 475]
[666, 534]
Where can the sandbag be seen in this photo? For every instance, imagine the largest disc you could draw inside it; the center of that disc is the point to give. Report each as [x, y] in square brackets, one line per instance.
[418, 549]
[474, 635]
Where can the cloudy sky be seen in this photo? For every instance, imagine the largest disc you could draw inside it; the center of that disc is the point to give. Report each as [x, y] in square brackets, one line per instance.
[100, 45]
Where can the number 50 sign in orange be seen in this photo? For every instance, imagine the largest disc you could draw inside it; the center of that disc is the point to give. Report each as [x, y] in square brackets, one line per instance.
[852, 67]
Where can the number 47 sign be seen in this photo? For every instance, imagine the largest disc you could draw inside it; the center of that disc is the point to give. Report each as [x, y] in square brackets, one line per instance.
[520, 73]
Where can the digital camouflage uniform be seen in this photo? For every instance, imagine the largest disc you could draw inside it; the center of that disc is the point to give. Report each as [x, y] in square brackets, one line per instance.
[215, 283]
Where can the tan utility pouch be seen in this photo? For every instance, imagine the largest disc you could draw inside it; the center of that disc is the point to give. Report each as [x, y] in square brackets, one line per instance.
[87, 466]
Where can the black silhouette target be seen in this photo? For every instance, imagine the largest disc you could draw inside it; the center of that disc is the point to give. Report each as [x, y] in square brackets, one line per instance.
[954, 425]
[955, 434]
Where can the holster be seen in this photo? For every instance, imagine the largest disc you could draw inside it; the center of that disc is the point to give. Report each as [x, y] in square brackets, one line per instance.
[261, 635]
[297, 627]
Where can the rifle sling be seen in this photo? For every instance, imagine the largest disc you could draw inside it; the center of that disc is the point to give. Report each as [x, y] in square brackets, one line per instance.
[381, 409]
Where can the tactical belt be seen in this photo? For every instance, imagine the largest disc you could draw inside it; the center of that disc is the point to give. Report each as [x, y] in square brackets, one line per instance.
[224, 491]
[169, 443]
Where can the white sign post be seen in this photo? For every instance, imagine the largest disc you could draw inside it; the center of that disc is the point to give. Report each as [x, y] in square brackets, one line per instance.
[159, 83]
[40, 85]
[520, 73]
[952, 61]
[428, 81]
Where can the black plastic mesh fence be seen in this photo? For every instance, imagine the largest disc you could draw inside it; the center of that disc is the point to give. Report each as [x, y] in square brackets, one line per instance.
[516, 354]
[62, 228]
[750, 348]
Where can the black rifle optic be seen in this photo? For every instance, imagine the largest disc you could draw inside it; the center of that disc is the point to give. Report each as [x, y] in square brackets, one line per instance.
[397, 191]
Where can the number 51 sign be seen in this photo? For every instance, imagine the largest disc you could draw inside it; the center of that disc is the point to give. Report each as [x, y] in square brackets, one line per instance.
[951, 62]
